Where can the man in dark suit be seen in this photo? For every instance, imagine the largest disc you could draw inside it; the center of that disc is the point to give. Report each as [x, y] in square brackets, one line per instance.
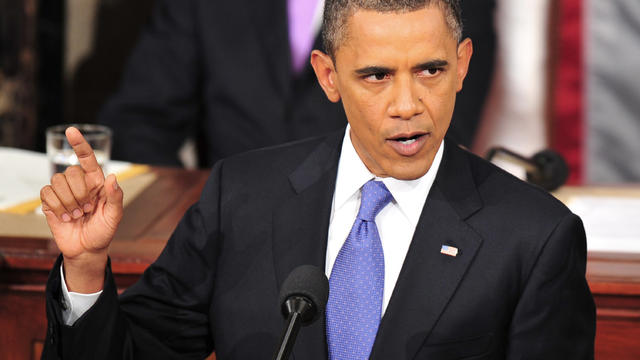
[488, 267]
[223, 73]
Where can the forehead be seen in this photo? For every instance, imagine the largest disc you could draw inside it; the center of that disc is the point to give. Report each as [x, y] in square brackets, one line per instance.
[372, 34]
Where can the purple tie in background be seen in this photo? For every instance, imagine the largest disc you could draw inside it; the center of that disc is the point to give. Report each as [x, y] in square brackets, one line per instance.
[357, 282]
[300, 14]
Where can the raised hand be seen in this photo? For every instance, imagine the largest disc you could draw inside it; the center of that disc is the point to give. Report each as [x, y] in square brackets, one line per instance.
[83, 210]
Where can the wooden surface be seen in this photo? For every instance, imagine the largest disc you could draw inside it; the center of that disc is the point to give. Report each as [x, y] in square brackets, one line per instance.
[150, 219]
[614, 280]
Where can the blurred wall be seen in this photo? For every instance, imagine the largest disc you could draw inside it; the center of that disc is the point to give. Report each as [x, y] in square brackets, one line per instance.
[99, 37]
[18, 57]
[515, 112]
[79, 32]
[30, 70]
[613, 91]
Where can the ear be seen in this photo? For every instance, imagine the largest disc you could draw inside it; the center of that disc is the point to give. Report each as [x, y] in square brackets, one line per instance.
[326, 73]
[465, 50]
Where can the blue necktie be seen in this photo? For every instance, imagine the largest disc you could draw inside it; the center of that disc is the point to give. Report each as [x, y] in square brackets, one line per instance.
[357, 282]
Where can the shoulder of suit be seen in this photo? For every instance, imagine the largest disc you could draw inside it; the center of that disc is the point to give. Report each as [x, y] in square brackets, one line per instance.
[499, 188]
[278, 160]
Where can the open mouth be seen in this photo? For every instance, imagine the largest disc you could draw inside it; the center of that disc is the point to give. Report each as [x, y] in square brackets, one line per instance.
[408, 140]
[408, 144]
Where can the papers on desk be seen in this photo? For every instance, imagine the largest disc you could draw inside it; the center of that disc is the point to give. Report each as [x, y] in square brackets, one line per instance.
[612, 224]
[23, 173]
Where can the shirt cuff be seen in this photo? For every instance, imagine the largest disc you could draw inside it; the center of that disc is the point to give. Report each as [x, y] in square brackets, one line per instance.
[74, 304]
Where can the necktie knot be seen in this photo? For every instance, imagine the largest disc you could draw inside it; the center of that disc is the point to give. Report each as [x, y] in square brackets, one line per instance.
[375, 196]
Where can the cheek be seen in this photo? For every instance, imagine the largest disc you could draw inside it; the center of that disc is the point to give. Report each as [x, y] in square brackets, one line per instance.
[442, 113]
[364, 109]
[374, 113]
[366, 99]
[440, 104]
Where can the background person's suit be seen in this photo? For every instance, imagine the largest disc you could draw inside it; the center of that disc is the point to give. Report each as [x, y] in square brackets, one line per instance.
[519, 274]
[220, 71]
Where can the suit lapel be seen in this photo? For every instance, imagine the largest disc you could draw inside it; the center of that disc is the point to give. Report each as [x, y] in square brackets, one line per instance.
[428, 279]
[270, 17]
[300, 230]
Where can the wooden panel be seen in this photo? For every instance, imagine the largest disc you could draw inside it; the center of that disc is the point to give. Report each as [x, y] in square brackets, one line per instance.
[22, 322]
[618, 339]
[38, 346]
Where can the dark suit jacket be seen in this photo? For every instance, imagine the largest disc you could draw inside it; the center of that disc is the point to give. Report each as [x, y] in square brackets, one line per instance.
[220, 72]
[516, 289]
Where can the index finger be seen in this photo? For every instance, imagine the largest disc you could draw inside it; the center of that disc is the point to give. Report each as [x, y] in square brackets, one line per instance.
[84, 152]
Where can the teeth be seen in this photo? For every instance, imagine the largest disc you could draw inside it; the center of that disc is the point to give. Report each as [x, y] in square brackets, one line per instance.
[408, 142]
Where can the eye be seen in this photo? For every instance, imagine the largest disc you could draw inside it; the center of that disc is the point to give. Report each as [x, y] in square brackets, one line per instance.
[377, 77]
[431, 72]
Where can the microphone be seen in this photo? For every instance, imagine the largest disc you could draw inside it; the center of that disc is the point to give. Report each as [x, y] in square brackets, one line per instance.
[303, 297]
[546, 168]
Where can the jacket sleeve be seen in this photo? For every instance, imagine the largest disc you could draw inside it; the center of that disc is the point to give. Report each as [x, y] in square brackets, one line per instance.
[158, 102]
[555, 317]
[165, 315]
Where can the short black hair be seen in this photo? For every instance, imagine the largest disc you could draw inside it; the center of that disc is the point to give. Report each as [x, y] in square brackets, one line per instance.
[337, 12]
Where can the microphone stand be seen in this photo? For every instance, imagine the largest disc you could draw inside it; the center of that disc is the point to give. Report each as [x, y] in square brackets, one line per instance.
[297, 307]
[546, 168]
[510, 156]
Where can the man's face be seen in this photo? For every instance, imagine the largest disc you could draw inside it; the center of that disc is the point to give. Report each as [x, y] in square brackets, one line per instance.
[397, 75]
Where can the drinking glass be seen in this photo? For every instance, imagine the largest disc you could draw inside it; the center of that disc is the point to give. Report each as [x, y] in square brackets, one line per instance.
[61, 154]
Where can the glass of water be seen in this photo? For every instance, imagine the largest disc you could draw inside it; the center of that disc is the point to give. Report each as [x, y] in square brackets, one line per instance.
[61, 154]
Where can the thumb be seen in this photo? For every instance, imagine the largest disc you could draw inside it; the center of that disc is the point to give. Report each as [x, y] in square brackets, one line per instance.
[113, 205]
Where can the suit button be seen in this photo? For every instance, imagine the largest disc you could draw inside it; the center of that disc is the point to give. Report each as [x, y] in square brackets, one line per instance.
[63, 304]
[51, 334]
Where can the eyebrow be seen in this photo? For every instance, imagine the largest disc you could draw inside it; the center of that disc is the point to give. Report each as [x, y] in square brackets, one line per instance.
[431, 64]
[368, 70]
[373, 70]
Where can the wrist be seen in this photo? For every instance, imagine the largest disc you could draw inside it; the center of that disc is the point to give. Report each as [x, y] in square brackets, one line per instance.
[85, 273]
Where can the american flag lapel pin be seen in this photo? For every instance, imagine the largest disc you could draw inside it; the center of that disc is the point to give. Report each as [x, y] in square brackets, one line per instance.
[449, 250]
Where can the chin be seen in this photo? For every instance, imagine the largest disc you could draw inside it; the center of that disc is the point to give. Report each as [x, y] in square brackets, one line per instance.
[408, 173]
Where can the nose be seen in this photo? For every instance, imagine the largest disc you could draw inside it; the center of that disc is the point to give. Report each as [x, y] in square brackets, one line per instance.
[406, 102]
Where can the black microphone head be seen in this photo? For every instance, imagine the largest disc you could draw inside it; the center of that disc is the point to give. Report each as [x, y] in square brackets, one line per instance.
[553, 170]
[309, 282]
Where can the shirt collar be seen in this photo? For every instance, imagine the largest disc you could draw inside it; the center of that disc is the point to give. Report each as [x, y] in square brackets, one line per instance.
[409, 195]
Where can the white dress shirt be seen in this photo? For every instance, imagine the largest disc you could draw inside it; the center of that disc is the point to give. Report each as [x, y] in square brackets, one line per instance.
[396, 222]
[75, 304]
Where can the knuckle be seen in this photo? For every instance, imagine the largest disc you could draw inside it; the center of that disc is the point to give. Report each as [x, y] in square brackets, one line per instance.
[49, 198]
[45, 191]
[81, 194]
[68, 201]
[57, 178]
[74, 170]
[78, 187]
